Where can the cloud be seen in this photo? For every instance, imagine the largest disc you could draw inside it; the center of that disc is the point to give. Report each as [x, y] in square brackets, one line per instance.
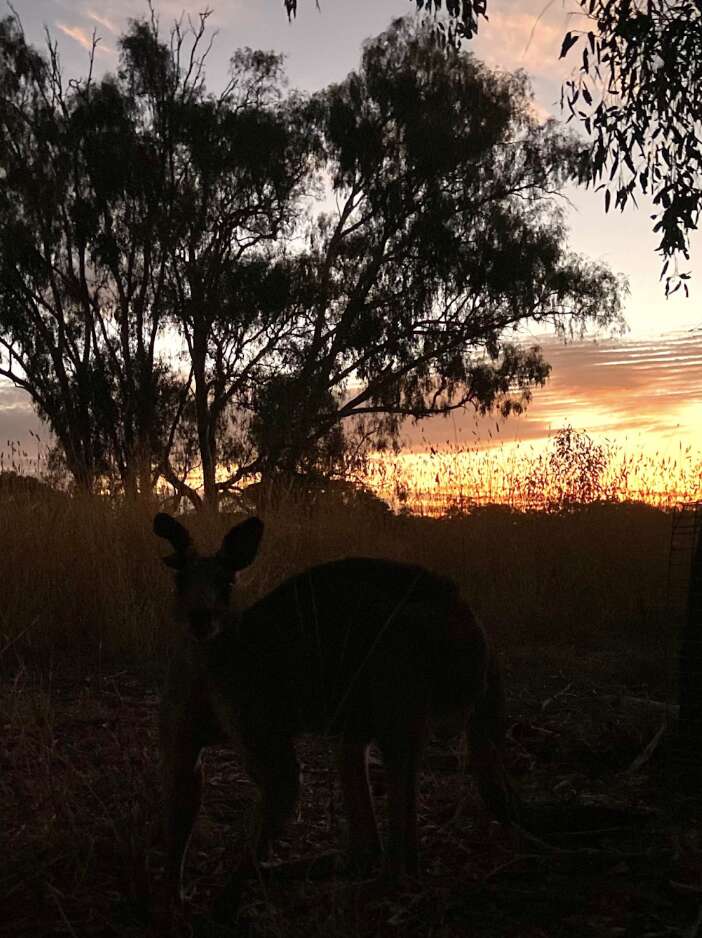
[651, 385]
[17, 421]
[103, 21]
[518, 39]
[647, 386]
[84, 38]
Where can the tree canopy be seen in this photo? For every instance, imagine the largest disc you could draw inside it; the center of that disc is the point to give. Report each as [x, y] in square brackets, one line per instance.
[253, 283]
[444, 239]
[637, 95]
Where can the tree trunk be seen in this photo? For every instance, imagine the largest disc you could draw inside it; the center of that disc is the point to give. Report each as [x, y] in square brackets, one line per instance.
[206, 441]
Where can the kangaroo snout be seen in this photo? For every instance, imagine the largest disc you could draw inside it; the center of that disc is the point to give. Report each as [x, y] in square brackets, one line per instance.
[201, 623]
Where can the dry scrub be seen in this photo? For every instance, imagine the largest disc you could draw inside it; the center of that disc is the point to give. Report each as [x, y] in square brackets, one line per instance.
[83, 583]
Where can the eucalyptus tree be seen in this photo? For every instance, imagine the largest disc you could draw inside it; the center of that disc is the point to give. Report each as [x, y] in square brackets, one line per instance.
[241, 171]
[636, 92]
[143, 210]
[130, 204]
[85, 198]
[446, 237]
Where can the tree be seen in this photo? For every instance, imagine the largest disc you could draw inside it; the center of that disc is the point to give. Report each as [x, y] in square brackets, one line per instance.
[445, 239]
[241, 167]
[637, 94]
[571, 474]
[129, 206]
[83, 197]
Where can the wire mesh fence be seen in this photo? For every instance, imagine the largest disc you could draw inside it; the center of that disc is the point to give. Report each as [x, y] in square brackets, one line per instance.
[684, 602]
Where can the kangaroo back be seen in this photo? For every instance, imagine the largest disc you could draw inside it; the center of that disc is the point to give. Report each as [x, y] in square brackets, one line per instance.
[331, 647]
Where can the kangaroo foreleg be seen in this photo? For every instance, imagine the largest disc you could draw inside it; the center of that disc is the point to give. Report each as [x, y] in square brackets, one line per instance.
[182, 771]
[272, 764]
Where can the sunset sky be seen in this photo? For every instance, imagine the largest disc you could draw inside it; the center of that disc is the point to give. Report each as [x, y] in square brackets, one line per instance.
[645, 387]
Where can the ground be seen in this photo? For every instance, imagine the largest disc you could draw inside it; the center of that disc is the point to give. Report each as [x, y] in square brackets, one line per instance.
[618, 851]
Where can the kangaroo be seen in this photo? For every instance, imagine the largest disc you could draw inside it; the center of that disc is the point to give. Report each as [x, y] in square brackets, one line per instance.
[360, 649]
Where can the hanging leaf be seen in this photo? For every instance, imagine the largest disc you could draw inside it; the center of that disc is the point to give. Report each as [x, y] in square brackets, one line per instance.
[569, 41]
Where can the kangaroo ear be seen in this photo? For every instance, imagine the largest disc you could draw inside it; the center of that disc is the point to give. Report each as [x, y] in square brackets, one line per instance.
[176, 535]
[240, 546]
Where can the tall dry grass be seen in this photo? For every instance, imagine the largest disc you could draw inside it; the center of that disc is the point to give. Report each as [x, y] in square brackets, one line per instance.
[83, 582]
[570, 468]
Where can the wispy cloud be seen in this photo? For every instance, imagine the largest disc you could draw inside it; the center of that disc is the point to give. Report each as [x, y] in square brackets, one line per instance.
[518, 39]
[653, 386]
[648, 387]
[84, 38]
[103, 21]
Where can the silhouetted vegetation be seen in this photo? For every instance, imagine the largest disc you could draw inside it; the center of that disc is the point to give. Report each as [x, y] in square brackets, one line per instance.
[637, 95]
[142, 211]
[461, 22]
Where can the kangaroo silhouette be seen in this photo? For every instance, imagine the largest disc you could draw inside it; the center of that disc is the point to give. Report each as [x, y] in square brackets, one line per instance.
[361, 649]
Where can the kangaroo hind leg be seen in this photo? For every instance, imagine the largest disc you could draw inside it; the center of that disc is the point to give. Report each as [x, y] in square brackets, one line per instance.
[363, 841]
[402, 752]
[486, 734]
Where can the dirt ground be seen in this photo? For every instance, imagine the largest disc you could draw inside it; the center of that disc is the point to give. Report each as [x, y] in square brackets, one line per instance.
[617, 851]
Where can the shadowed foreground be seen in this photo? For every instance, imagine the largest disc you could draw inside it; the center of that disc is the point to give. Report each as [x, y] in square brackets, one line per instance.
[576, 603]
[79, 801]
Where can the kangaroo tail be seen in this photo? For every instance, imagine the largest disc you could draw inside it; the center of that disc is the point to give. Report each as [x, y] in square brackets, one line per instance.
[486, 734]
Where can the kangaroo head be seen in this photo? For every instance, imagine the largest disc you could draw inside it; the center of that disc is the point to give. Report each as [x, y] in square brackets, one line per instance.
[204, 584]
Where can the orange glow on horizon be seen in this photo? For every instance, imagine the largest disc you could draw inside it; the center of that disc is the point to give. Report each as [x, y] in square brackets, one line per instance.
[532, 475]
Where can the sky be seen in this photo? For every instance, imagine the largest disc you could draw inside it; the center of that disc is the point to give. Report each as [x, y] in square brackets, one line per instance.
[644, 387]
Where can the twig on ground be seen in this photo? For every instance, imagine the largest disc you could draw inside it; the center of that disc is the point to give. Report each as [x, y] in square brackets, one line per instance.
[648, 750]
[641, 703]
[549, 700]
